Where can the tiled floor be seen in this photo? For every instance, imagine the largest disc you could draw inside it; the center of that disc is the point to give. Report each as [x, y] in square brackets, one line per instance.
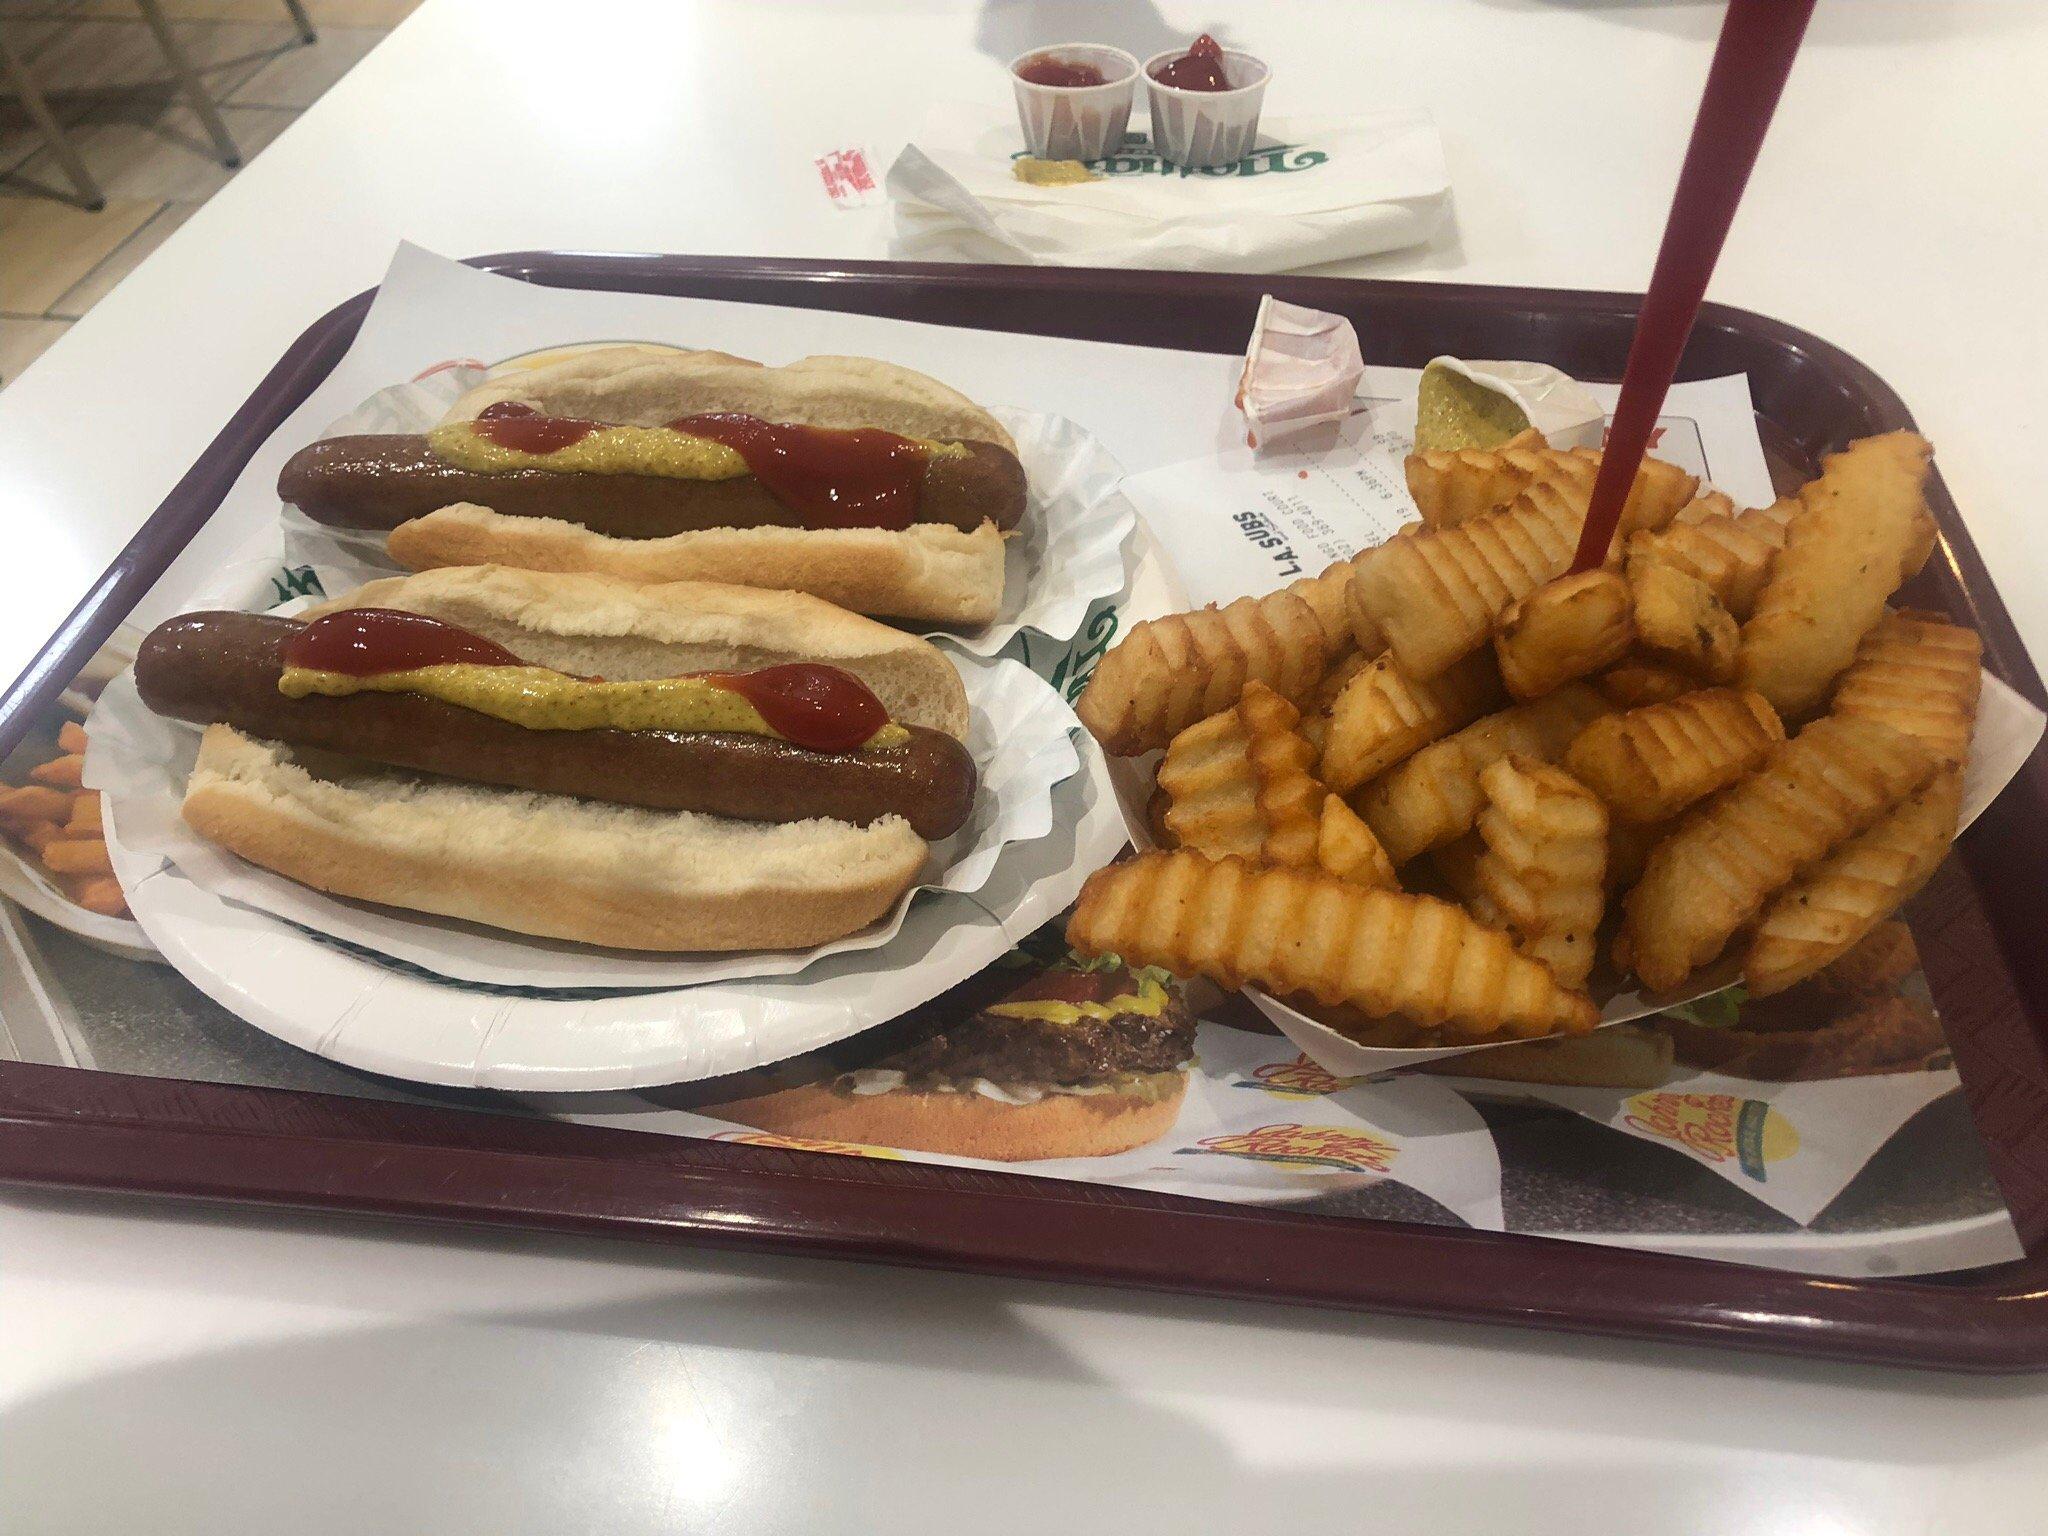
[105, 78]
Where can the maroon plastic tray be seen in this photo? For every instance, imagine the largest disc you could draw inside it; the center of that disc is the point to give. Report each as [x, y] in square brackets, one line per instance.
[1979, 927]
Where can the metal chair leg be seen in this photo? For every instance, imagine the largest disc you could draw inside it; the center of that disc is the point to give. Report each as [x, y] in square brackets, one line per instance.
[188, 82]
[39, 113]
[302, 21]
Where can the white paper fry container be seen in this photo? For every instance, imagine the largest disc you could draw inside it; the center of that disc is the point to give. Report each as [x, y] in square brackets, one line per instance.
[1202, 129]
[1068, 552]
[2008, 730]
[378, 1015]
[1076, 122]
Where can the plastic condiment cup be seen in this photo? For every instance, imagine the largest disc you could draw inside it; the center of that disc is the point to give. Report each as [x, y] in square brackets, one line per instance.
[1201, 129]
[1076, 122]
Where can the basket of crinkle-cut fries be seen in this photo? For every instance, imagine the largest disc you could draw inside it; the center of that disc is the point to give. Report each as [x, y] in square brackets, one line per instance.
[1444, 792]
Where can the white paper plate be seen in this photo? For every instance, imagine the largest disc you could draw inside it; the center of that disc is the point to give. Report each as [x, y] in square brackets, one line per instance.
[1068, 552]
[1023, 736]
[383, 1016]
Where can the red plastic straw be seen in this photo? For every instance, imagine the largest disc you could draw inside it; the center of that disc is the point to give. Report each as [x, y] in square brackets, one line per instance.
[1758, 40]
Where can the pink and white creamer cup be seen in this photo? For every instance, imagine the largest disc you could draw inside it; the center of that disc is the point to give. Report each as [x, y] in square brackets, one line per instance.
[1076, 122]
[1202, 129]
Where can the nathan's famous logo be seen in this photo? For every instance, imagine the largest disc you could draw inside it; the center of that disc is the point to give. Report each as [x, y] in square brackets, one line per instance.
[1135, 156]
[804, 1144]
[1296, 1079]
[1716, 1126]
[1304, 1146]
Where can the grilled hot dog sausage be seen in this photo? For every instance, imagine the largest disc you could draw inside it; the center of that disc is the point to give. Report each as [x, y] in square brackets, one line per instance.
[224, 667]
[379, 481]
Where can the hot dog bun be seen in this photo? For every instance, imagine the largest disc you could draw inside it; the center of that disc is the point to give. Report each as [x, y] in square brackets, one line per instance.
[546, 864]
[636, 387]
[586, 870]
[929, 573]
[596, 626]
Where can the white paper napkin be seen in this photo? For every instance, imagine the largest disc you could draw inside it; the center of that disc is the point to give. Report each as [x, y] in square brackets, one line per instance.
[1318, 189]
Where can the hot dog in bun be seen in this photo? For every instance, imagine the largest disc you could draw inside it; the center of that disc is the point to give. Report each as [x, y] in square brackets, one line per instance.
[867, 484]
[681, 766]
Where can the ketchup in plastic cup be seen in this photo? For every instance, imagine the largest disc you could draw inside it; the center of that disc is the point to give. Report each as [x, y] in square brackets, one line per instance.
[1205, 103]
[1074, 99]
[1199, 69]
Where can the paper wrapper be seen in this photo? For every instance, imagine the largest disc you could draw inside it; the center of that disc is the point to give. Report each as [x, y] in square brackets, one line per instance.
[1259, 1125]
[1300, 372]
[1067, 553]
[1243, 524]
[1021, 734]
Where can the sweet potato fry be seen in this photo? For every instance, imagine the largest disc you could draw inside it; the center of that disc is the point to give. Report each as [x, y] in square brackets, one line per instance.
[1920, 674]
[1240, 783]
[98, 893]
[1166, 674]
[1679, 621]
[1716, 871]
[1563, 630]
[1434, 796]
[1383, 715]
[1827, 911]
[33, 802]
[1305, 932]
[1651, 763]
[1860, 530]
[38, 835]
[85, 820]
[60, 772]
[77, 856]
[1541, 872]
[71, 737]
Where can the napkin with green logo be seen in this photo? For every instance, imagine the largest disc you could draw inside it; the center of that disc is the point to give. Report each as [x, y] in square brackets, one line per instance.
[1316, 189]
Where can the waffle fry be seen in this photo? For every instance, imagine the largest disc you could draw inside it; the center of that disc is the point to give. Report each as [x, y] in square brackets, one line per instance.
[1707, 504]
[1542, 870]
[1456, 485]
[1651, 763]
[1860, 530]
[1434, 796]
[1731, 554]
[1920, 674]
[1563, 630]
[1167, 674]
[1346, 848]
[1383, 715]
[1240, 783]
[1829, 909]
[1725, 860]
[1636, 683]
[1679, 621]
[1440, 594]
[1298, 932]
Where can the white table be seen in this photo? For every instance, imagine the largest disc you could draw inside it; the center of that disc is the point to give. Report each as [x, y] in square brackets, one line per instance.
[183, 1373]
